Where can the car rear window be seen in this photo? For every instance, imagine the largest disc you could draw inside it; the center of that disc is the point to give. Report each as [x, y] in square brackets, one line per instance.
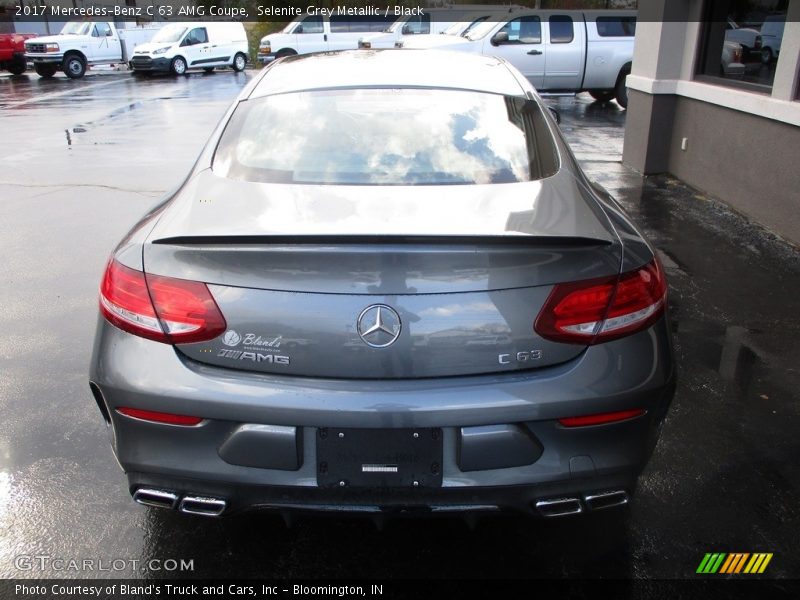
[404, 136]
[616, 26]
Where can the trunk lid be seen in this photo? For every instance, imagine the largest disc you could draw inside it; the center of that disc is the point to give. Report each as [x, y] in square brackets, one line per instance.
[317, 281]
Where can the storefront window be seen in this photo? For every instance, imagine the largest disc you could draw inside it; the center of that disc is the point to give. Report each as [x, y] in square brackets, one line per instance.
[741, 42]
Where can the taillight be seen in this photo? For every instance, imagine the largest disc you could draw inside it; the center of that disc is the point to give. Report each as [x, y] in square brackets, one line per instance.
[737, 55]
[160, 417]
[164, 309]
[125, 302]
[598, 310]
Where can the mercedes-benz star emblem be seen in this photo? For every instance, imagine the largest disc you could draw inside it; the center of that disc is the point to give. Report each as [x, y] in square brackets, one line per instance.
[379, 325]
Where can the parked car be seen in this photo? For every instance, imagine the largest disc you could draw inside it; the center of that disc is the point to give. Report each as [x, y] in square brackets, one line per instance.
[179, 47]
[83, 44]
[557, 51]
[12, 52]
[771, 37]
[375, 199]
[319, 33]
[748, 37]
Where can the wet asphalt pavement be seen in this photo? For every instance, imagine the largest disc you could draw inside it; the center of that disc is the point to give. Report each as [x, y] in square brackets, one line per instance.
[82, 160]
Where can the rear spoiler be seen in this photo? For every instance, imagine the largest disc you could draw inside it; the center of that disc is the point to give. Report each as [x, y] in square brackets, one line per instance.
[344, 239]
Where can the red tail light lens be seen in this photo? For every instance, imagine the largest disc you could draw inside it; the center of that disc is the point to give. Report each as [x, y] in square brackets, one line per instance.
[599, 310]
[164, 309]
[601, 419]
[186, 309]
[125, 302]
[160, 417]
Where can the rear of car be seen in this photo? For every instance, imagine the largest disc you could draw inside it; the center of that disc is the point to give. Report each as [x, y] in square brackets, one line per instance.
[610, 36]
[417, 303]
[12, 52]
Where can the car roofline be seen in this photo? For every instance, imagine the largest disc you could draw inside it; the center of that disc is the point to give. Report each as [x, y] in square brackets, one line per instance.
[328, 88]
[257, 84]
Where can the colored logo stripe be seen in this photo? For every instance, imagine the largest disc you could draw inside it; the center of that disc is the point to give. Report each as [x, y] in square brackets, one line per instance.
[734, 563]
[711, 562]
[758, 563]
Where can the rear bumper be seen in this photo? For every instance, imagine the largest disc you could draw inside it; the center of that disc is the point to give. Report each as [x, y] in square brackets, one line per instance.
[522, 499]
[734, 69]
[635, 372]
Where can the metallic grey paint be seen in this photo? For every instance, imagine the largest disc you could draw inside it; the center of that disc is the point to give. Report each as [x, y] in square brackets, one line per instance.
[467, 268]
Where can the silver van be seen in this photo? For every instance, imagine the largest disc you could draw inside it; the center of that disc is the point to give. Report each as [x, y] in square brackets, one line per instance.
[320, 33]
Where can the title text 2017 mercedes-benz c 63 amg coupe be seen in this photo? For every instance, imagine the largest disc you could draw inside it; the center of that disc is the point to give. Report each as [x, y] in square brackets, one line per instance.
[386, 285]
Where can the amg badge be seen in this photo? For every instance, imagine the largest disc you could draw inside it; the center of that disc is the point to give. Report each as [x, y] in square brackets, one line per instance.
[275, 359]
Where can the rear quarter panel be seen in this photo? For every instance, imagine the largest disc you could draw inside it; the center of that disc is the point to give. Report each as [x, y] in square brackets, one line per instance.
[606, 56]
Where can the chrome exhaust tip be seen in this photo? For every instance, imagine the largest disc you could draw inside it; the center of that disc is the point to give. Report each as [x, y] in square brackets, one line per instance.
[606, 499]
[157, 498]
[207, 507]
[559, 507]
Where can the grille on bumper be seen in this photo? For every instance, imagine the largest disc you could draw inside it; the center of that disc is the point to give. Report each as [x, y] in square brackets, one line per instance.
[142, 62]
[35, 48]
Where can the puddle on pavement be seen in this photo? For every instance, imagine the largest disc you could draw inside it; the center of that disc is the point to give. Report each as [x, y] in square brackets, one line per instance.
[104, 120]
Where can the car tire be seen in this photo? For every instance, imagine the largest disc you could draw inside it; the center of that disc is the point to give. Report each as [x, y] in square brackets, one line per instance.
[178, 66]
[239, 62]
[602, 95]
[284, 53]
[45, 70]
[766, 56]
[74, 66]
[17, 66]
[621, 90]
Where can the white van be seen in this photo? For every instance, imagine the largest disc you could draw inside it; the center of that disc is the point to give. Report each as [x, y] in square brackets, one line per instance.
[771, 37]
[178, 47]
[319, 33]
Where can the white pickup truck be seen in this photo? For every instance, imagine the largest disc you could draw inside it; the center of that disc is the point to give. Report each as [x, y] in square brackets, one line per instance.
[83, 44]
[557, 51]
[453, 20]
[337, 31]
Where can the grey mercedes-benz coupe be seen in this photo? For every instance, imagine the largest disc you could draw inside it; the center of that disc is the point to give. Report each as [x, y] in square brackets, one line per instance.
[385, 286]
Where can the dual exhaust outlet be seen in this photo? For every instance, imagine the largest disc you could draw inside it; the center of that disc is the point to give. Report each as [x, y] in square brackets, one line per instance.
[190, 505]
[214, 507]
[559, 507]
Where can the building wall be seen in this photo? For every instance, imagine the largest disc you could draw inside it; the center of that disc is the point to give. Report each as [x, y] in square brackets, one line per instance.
[750, 162]
[741, 146]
